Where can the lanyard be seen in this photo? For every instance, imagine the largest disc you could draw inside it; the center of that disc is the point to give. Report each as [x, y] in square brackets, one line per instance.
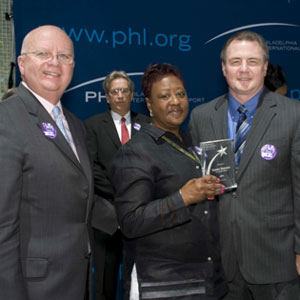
[193, 157]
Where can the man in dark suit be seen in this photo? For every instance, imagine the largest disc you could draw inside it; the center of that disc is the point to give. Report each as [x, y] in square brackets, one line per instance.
[260, 220]
[106, 133]
[46, 184]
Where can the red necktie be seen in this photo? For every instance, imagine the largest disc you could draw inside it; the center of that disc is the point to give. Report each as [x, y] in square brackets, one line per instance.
[124, 132]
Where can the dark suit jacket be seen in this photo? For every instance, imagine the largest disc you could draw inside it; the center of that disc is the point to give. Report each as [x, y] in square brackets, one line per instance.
[46, 195]
[103, 143]
[260, 220]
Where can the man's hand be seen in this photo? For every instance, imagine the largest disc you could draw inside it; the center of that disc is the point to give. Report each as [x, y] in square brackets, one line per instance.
[298, 263]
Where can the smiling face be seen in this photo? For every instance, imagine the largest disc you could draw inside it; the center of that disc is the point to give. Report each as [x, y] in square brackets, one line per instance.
[168, 103]
[119, 96]
[48, 79]
[244, 69]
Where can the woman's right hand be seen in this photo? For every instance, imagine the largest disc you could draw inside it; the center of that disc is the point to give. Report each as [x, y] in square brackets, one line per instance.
[199, 189]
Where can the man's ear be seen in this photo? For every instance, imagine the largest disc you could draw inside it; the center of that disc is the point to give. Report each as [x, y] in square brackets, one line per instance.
[107, 98]
[21, 64]
[223, 69]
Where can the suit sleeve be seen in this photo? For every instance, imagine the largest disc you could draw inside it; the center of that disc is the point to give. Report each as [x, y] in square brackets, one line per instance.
[139, 214]
[11, 168]
[295, 164]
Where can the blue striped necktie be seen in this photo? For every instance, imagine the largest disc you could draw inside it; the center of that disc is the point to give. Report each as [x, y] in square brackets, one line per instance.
[242, 128]
[59, 122]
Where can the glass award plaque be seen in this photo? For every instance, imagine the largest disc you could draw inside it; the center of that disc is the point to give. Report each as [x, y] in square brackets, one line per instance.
[217, 158]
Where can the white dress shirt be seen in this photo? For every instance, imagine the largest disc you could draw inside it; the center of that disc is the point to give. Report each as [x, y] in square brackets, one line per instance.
[118, 121]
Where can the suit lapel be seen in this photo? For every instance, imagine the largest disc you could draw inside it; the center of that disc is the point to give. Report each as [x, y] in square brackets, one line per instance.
[60, 140]
[40, 116]
[219, 119]
[79, 142]
[265, 112]
[134, 119]
[110, 128]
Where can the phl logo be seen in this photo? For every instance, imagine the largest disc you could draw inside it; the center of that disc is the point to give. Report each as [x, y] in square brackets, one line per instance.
[295, 94]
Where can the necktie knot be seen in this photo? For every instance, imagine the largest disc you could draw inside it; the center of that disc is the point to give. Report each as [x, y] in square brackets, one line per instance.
[56, 112]
[242, 109]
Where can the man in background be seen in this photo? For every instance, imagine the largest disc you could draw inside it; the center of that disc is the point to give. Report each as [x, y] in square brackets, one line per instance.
[275, 79]
[8, 93]
[260, 220]
[106, 133]
[46, 184]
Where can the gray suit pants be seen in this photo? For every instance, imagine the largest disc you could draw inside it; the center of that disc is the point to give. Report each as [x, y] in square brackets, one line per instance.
[240, 289]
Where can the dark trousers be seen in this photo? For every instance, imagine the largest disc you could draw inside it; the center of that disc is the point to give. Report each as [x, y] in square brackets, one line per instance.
[127, 265]
[240, 289]
[107, 258]
[88, 294]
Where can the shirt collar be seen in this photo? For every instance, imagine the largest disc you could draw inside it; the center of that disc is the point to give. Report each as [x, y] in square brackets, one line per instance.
[251, 105]
[117, 117]
[45, 103]
[157, 133]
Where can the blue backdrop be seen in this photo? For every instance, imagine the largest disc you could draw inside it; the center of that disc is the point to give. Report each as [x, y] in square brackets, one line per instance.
[129, 35]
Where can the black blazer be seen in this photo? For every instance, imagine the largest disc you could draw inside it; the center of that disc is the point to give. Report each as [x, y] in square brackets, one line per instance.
[103, 143]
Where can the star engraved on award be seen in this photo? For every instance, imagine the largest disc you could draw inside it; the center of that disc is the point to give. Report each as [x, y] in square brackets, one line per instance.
[217, 159]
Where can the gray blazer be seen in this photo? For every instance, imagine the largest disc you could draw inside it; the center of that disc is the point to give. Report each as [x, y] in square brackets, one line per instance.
[260, 220]
[45, 199]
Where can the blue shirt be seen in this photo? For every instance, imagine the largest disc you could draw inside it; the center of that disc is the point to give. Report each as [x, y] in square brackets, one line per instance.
[233, 114]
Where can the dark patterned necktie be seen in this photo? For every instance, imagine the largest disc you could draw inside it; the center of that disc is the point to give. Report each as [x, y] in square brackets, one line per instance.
[242, 129]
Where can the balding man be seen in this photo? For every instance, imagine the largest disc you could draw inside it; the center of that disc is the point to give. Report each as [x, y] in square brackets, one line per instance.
[46, 181]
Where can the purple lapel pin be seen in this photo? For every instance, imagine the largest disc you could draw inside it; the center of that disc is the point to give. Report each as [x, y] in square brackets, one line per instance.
[137, 126]
[49, 130]
[268, 152]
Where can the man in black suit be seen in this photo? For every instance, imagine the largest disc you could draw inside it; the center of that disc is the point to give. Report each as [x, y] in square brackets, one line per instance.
[106, 133]
[260, 220]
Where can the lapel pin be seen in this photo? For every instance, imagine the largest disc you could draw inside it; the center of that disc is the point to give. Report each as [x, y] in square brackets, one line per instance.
[268, 152]
[137, 126]
[49, 130]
